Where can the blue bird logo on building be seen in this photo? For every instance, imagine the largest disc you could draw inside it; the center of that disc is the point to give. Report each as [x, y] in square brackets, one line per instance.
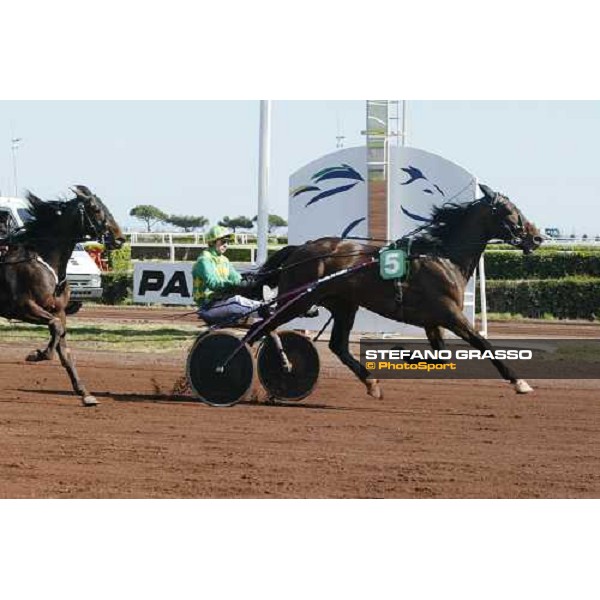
[351, 226]
[324, 184]
[415, 175]
[344, 171]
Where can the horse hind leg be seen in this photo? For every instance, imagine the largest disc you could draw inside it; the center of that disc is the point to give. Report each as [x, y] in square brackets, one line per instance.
[435, 337]
[343, 315]
[57, 329]
[339, 344]
[373, 388]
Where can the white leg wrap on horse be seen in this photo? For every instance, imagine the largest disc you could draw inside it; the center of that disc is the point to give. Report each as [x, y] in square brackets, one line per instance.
[522, 387]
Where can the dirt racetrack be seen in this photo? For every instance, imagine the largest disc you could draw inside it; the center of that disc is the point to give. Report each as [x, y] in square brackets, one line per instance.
[429, 439]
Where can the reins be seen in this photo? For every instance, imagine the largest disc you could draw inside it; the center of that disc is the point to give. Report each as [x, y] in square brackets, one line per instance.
[291, 297]
[283, 268]
[515, 239]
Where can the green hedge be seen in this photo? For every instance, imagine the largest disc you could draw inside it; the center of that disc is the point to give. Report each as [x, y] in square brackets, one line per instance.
[117, 287]
[541, 265]
[567, 298]
[120, 260]
[244, 254]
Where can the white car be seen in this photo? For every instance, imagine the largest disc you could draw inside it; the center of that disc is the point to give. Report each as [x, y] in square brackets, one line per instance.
[83, 275]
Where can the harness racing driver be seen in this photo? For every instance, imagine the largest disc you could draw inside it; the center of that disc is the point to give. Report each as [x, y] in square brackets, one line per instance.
[213, 274]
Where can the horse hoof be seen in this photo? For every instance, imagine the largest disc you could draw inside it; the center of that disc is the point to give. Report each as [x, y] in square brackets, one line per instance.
[373, 389]
[522, 387]
[90, 401]
[36, 356]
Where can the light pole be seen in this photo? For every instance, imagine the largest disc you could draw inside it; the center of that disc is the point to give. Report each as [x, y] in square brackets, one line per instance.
[264, 153]
[404, 117]
[14, 147]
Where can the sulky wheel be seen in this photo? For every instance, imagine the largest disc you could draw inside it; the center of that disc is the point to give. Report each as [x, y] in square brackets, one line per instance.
[211, 382]
[294, 379]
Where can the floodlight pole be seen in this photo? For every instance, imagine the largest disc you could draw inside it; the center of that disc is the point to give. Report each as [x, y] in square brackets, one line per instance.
[14, 147]
[404, 115]
[263, 181]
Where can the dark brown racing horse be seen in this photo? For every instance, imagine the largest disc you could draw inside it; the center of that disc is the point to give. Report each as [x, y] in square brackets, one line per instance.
[443, 257]
[33, 270]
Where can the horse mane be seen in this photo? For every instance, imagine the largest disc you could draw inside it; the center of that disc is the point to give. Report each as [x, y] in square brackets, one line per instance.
[44, 215]
[445, 221]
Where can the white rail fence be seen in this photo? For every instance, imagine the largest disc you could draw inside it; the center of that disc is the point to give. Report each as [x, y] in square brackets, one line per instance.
[579, 241]
[168, 238]
[174, 240]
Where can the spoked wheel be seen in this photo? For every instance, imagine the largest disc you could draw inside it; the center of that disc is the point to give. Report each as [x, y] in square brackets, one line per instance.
[211, 380]
[292, 380]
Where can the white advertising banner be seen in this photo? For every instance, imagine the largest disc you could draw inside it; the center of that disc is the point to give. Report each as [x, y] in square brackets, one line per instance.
[328, 197]
[163, 283]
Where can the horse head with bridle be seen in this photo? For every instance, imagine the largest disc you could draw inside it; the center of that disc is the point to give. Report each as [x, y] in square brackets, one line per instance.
[343, 275]
[33, 270]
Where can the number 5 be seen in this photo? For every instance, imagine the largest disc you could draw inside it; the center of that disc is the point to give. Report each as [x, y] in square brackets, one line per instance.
[391, 263]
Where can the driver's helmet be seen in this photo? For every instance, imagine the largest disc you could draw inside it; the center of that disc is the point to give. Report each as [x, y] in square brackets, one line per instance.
[217, 232]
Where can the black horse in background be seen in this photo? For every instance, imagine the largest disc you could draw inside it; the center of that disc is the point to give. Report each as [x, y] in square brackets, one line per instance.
[33, 269]
[443, 257]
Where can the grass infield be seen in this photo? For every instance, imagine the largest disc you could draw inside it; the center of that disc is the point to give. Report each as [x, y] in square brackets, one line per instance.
[107, 336]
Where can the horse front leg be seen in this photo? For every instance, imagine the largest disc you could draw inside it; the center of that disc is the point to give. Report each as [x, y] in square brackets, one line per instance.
[459, 325]
[57, 324]
[68, 362]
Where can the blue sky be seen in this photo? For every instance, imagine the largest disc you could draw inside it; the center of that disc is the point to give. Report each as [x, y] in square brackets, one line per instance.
[201, 157]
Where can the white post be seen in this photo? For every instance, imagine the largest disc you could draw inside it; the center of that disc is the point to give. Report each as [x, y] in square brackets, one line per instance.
[262, 224]
[404, 123]
[482, 297]
[14, 147]
[388, 185]
[171, 247]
